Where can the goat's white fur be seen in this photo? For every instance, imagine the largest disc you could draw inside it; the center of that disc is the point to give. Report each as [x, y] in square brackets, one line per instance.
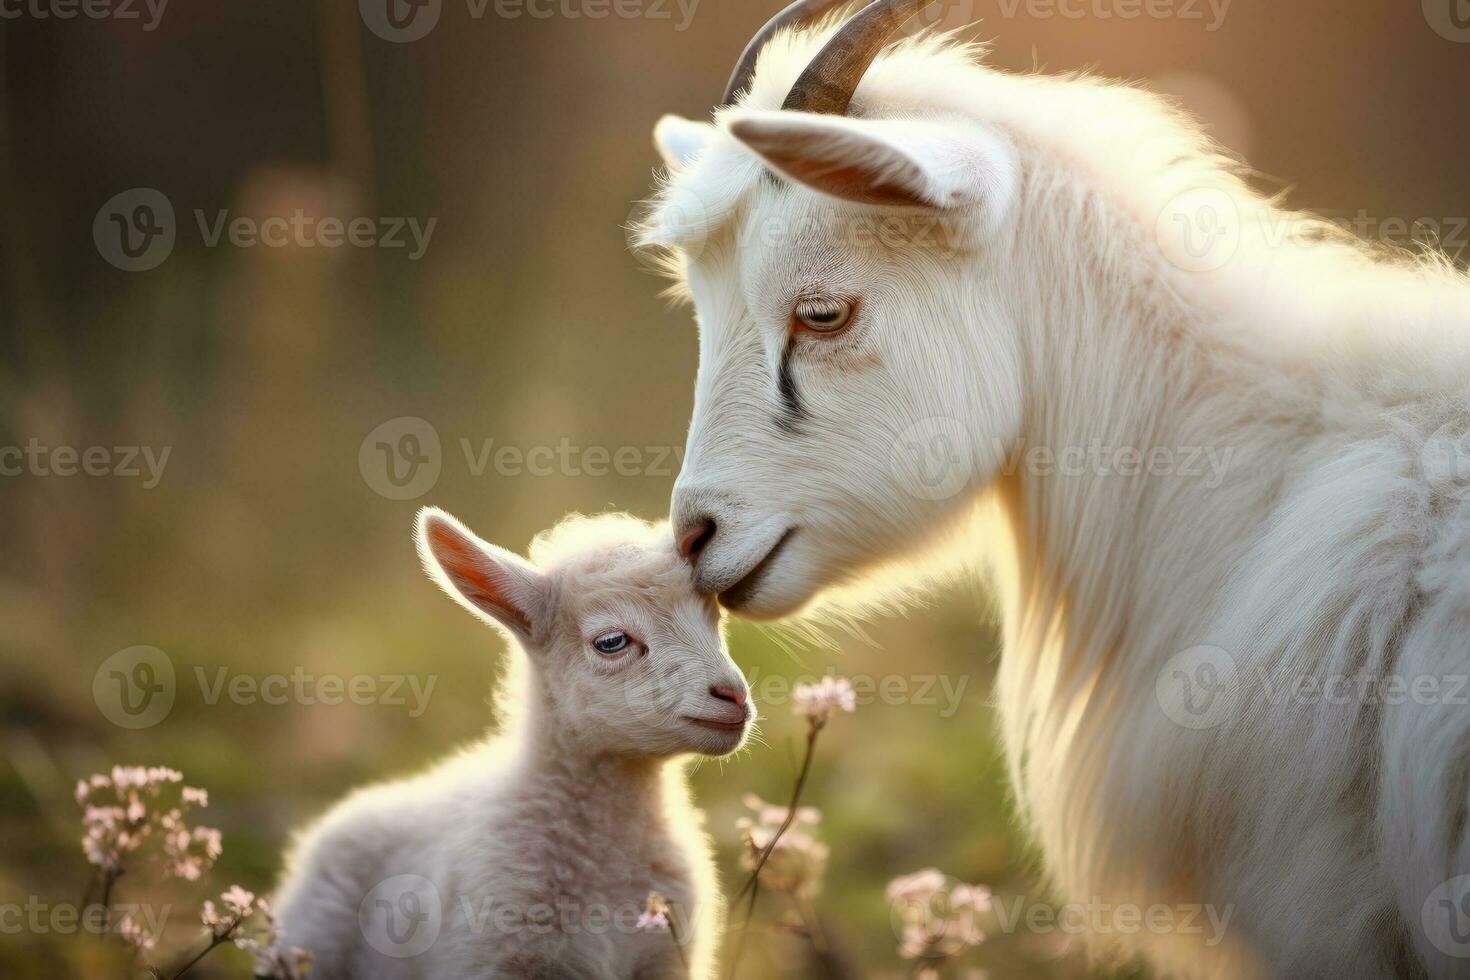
[1079, 313]
[534, 852]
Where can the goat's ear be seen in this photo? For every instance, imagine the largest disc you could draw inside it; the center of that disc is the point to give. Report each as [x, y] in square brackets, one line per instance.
[885, 161]
[490, 582]
[680, 140]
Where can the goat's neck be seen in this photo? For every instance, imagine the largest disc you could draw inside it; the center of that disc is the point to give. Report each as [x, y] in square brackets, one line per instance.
[1106, 576]
[1124, 366]
[601, 793]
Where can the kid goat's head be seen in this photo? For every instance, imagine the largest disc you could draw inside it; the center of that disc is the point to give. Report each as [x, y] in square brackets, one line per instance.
[837, 230]
[627, 657]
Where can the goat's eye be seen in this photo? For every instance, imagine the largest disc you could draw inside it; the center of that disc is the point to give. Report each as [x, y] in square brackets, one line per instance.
[614, 642]
[823, 315]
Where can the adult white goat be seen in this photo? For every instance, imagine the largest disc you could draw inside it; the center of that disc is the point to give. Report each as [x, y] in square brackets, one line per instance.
[1054, 299]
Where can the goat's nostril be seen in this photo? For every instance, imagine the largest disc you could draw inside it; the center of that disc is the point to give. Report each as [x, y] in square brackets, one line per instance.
[695, 537]
[734, 695]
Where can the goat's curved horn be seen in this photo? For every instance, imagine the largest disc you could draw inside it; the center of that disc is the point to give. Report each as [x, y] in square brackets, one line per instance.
[745, 68]
[827, 84]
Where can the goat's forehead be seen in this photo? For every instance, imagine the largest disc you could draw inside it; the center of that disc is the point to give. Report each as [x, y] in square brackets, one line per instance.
[657, 581]
[778, 231]
[657, 601]
[788, 231]
[729, 198]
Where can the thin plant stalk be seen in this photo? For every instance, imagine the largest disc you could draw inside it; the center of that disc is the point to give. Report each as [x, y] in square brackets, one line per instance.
[806, 768]
[215, 941]
[808, 917]
[755, 891]
[109, 878]
[678, 942]
[752, 884]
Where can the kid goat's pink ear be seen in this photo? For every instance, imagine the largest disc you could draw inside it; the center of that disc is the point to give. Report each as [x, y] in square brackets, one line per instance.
[491, 582]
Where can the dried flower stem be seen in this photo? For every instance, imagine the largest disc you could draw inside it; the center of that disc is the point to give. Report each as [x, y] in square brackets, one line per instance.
[808, 916]
[806, 768]
[216, 940]
[109, 878]
[752, 884]
[678, 942]
[744, 927]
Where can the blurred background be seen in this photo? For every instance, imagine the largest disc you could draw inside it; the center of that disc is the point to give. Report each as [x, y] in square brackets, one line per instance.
[217, 440]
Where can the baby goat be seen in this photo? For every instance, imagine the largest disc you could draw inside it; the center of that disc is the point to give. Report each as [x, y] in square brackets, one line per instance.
[532, 855]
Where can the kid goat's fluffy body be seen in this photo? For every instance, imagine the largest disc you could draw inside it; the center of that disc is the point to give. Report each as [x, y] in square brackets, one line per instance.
[532, 855]
[1335, 545]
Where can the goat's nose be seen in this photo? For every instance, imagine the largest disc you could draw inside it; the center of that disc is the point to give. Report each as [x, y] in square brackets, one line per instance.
[734, 695]
[695, 535]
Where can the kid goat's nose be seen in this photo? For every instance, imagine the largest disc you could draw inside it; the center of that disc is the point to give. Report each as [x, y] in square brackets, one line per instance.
[734, 695]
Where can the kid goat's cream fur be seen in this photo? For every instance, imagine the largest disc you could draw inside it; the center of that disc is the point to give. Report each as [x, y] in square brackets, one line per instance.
[531, 856]
[1090, 271]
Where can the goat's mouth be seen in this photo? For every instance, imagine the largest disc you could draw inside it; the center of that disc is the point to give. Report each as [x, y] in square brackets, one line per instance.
[740, 593]
[718, 726]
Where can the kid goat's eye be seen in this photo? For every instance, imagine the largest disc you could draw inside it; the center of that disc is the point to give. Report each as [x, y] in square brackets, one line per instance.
[823, 315]
[614, 642]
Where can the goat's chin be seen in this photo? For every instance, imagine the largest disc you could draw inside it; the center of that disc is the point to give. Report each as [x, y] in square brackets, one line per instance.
[764, 605]
[785, 590]
[714, 744]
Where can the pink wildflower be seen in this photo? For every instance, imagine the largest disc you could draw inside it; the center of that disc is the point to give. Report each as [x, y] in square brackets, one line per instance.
[818, 701]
